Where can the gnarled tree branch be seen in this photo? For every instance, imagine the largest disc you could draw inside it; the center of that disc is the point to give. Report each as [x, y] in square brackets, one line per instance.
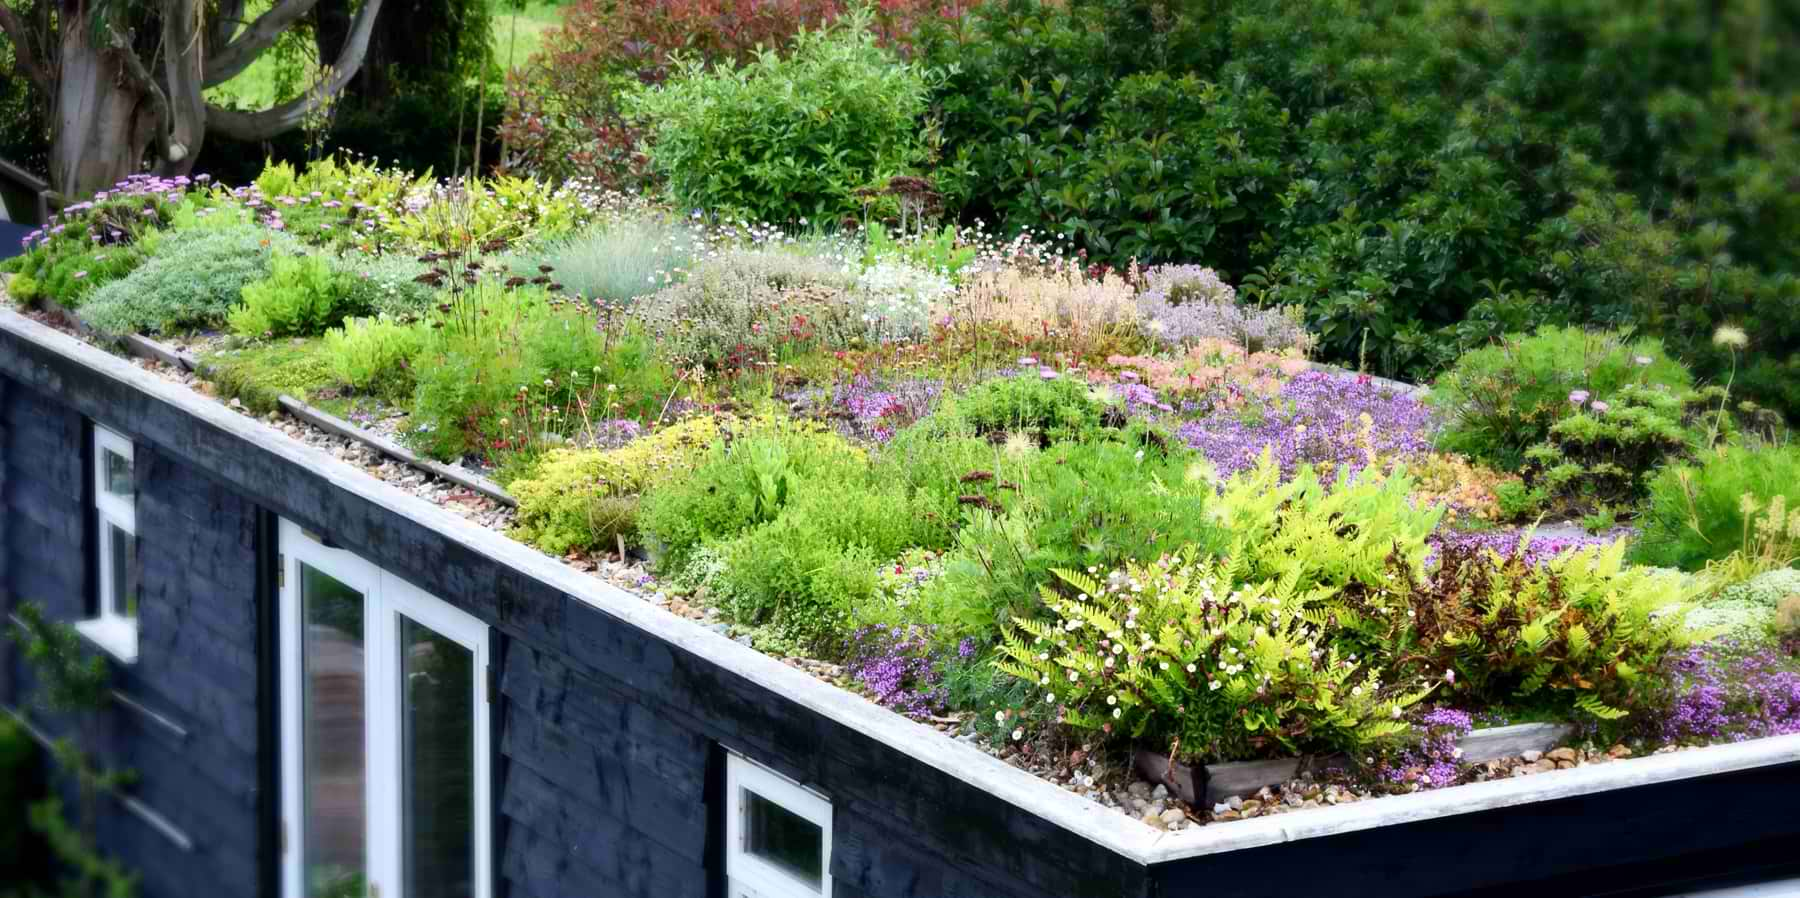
[237, 55]
[270, 122]
[225, 22]
[23, 58]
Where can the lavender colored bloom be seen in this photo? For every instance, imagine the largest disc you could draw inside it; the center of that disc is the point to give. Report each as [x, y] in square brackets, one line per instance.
[1435, 761]
[1187, 303]
[869, 410]
[899, 668]
[1506, 543]
[1725, 692]
[1317, 417]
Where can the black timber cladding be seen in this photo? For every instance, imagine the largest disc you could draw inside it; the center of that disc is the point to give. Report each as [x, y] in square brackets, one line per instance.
[604, 729]
[607, 737]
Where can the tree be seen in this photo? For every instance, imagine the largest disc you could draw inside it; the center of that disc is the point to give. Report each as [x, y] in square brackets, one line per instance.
[124, 78]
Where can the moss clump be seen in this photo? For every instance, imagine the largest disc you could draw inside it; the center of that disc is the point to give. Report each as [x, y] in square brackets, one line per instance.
[258, 376]
[1766, 590]
[586, 498]
[1735, 619]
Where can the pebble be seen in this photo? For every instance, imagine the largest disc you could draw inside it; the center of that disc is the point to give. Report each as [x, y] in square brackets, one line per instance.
[1531, 756]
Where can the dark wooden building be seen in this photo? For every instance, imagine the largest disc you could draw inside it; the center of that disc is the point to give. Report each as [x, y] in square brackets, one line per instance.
[328, 686]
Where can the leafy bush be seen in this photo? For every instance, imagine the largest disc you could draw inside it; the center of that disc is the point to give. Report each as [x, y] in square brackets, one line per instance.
[1498, 401]
[1603, 455]
[566, 118]
[1323, 152]
[1696, 512]
[1580, 631]
[301, 297]
[193, 281]
[586, 499]
[1179, 653]
[373, 355]
[787, 138]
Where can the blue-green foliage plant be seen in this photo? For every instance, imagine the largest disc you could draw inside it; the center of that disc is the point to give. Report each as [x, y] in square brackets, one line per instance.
[192, 281]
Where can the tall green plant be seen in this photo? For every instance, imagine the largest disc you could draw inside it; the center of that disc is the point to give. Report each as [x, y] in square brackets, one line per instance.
[787, 138]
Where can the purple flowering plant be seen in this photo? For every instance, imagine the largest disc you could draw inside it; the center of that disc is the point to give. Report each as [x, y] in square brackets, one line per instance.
[900, 667]
[1727, 691]
[1428, 757]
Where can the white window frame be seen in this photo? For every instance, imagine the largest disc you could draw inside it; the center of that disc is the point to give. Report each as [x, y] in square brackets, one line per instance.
[109, 629]
[386, 598]
[747, 875]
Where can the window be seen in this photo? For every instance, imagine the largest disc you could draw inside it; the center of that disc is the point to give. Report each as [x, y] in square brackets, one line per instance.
[114, 624]
[777, 835]
[384, 718]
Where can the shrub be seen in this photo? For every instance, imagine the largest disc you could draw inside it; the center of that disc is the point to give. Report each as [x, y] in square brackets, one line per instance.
[193, 281]
[1579, 631]
[586, 499]
[787, 138]
[1183, 304]
[1178, 653]
[1696, 512]
[301, 296]
[374, 356]
[1500, 400]
[1603, 455]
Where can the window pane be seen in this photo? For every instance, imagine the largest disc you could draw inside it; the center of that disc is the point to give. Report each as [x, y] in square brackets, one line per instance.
[332, 710]
[117, 472]
[122, 546]
[783, 838]
[437, 763]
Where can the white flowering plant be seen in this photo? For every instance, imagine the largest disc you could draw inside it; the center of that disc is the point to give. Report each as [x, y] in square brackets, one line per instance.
[1178, 656]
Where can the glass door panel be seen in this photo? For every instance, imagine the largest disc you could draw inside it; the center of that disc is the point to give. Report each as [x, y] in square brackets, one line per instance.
[437, 763]
[334, 681]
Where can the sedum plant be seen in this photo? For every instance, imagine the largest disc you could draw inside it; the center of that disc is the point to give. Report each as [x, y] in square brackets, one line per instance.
[585, 499]
[1181, 655]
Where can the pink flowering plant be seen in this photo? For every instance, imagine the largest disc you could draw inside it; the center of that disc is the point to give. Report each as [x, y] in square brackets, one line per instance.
[1178, 655]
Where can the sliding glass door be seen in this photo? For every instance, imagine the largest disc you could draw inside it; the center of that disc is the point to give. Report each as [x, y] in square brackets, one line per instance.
[385, 754]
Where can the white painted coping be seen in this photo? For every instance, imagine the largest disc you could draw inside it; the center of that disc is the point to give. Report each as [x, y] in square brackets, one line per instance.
[1103, 826]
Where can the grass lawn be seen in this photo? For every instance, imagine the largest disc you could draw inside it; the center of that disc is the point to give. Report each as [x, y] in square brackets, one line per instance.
[517, 33]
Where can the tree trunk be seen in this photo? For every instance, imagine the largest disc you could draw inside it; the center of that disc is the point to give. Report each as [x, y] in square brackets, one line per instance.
[104, 123]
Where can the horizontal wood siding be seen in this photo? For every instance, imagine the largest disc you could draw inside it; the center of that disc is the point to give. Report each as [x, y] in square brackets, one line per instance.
[604, 731]
[189, 734]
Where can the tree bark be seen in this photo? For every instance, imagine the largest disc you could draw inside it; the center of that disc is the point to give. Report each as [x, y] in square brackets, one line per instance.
[184, 53]
[103, 120]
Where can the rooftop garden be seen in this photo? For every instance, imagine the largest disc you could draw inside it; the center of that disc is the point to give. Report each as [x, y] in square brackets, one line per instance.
[1060, 508]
